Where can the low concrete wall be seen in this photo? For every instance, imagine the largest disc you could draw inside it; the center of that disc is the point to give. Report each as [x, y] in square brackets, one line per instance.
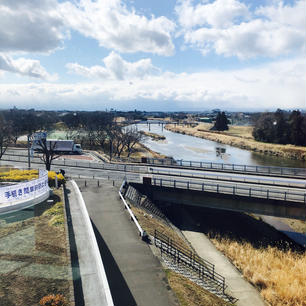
[25, 194]
[94, 280]
[24, 204]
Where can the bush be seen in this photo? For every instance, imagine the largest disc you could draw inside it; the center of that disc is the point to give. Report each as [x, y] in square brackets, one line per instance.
[53, 300]
[18, 175]
[51, 178]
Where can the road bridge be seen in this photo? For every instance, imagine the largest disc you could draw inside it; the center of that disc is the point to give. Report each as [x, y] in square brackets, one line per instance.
[255, 192]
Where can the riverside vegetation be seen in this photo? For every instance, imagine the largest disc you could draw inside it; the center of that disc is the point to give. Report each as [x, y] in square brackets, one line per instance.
[279, 275]
[241, 137]
[187, 292]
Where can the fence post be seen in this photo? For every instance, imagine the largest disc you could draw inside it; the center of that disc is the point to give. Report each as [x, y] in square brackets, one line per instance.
[233, 190]
[267, 193]
[250, 191]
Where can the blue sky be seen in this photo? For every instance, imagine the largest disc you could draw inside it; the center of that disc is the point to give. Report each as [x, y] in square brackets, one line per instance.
[152, 55]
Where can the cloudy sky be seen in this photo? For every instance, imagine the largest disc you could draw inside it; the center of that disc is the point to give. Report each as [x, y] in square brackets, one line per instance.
[152, 54]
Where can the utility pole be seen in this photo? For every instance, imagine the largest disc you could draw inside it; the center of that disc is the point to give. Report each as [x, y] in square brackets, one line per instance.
[29, 157]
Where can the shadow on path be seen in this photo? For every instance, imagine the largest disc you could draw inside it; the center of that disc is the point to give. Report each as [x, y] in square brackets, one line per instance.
[121, 293]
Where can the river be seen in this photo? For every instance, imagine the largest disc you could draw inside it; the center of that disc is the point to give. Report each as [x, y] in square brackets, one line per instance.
[187, 147]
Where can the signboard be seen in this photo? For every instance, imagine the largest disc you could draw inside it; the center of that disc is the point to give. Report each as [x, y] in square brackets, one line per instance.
[39, 135]
[25, 191]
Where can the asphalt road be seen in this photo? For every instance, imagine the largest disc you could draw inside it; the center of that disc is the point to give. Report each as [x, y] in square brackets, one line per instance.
[239, 184]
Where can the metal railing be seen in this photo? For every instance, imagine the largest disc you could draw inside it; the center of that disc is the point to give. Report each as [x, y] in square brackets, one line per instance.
[264, 193]
[204, 269]
[209, 175]
[81, 164]
[264, 170]
[126, 162]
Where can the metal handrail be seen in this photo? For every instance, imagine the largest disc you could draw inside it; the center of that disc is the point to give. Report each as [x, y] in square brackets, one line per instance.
[270, 170]
[267, 193]
[264, 170]
[189, 258]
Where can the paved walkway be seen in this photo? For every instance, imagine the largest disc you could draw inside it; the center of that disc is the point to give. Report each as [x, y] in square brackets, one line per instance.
[135, 276]
[237, 285]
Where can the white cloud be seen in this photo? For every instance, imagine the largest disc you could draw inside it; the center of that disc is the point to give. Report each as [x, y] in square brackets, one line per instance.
[270, 31]
[114, 26]
[30, 26]
[277, 85]
[220, 14]
[116, 68]
[25, 67]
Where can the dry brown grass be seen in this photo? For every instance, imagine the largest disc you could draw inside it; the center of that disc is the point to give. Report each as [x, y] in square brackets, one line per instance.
[279, 275]
[149, 224]
[189, 293]
[241, 137]
[154, 136]
[44, 251]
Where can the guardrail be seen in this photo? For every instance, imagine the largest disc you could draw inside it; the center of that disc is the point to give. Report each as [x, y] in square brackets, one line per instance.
[204, 269]
[142, 233]
[252, 179]
[264, 193]
[81, 164]
[264, 170]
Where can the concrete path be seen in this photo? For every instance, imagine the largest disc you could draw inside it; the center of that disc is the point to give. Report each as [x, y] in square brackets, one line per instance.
[286, 229]
[135, 276]
[237, 285]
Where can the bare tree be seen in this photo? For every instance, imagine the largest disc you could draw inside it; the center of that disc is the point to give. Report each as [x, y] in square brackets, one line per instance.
[47, 148]
[5, 135]
[132, 137]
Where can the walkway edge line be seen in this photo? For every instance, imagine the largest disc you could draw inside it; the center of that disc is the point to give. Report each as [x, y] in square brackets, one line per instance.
[97, 255]
[141, 231]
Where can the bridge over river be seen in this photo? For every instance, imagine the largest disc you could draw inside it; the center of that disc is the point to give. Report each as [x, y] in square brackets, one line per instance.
[273, 191]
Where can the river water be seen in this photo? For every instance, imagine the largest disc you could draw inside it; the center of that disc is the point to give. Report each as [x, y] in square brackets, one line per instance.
[186, 147]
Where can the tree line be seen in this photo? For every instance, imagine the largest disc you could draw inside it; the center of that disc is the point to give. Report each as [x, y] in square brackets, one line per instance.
[93, 130]
[281, 127]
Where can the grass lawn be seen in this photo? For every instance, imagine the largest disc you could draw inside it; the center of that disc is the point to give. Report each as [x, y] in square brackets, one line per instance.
[34, 254]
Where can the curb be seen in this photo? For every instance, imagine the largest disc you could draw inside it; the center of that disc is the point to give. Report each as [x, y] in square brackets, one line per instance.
[93, 242]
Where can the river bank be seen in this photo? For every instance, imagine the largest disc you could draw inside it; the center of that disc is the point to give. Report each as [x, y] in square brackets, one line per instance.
[153, 136]
[240, 137]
